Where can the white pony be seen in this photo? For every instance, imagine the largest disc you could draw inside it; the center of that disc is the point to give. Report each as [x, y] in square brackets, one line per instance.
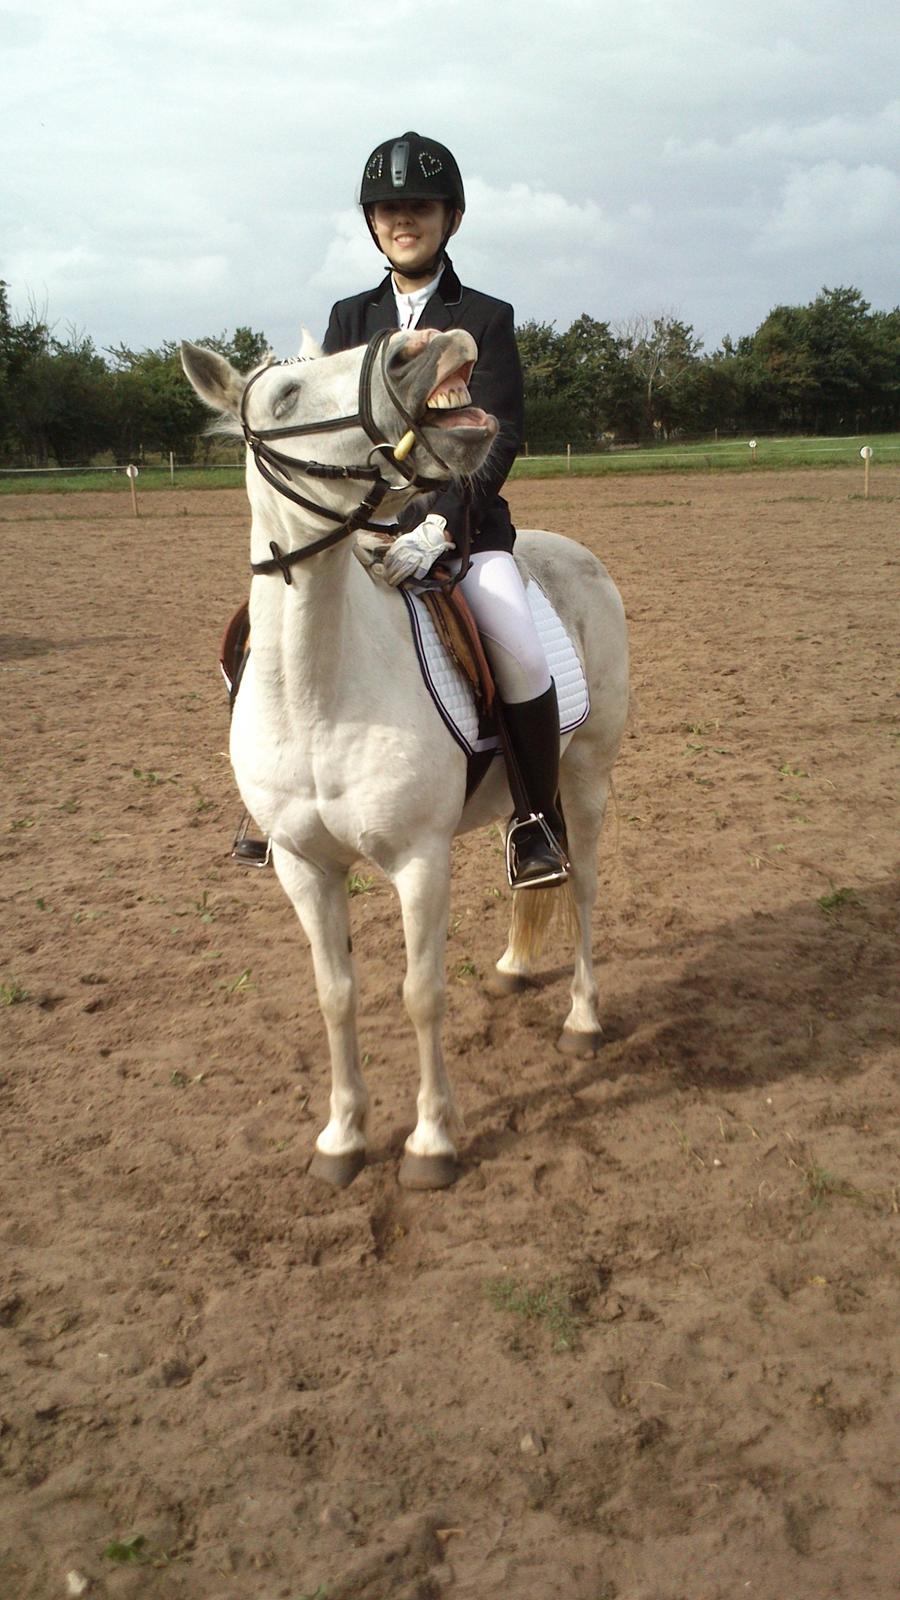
[336, 745]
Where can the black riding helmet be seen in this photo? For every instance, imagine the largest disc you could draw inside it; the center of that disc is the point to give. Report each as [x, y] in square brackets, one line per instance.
[413, 168]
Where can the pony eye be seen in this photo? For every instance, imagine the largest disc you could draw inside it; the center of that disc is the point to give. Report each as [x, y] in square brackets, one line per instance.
[286, 401]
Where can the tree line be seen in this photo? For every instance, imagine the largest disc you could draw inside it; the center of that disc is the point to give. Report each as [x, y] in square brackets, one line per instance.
[829, 367]
[832, 366]
[63, 402]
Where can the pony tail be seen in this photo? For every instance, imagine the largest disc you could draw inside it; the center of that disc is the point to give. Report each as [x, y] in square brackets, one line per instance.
[533, 913]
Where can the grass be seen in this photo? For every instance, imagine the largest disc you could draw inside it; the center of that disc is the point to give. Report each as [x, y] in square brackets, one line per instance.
[822, 1185]
[731, 455]
[239, 985]
[201, 908]
[12, 993]
[549, 1303]
[127, 1551]
[149, 777]
[837, 898]
[357, 883]
[111, 482]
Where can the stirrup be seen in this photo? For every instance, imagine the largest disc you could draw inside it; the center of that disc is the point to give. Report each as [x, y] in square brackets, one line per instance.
[537, 829]
[247, 852]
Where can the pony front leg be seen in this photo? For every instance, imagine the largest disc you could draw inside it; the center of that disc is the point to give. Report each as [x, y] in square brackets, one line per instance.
[423, 884]
[319, 897]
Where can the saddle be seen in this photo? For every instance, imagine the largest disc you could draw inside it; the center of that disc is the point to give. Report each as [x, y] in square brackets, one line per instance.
[455, 627]
[455, 670]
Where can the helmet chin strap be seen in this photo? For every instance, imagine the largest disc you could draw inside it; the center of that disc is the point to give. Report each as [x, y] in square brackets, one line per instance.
[430, 270]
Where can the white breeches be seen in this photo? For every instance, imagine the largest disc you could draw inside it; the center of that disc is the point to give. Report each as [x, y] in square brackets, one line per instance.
[496, 596]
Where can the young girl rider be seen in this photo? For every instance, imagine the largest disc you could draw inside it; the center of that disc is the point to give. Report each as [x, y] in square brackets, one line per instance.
[413, 201]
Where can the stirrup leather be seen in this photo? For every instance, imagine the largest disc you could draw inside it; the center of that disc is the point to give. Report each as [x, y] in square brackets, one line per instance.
[535, 824]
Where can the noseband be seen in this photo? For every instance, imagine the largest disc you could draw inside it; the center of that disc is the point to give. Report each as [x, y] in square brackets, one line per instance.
[265, 457]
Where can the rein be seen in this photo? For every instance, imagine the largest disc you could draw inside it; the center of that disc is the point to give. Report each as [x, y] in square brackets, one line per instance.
[265, 457]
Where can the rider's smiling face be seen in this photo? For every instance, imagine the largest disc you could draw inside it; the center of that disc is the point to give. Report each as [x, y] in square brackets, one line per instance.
[410, 231]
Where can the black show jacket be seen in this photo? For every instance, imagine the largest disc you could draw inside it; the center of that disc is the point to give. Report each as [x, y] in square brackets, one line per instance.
[495, 385]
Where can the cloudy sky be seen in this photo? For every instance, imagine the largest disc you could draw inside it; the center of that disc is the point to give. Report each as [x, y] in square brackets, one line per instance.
[177, 169]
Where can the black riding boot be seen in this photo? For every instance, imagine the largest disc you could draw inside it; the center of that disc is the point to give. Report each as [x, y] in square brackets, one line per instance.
[535, 840]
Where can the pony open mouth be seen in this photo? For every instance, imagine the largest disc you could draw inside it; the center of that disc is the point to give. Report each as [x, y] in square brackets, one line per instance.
[449, 405]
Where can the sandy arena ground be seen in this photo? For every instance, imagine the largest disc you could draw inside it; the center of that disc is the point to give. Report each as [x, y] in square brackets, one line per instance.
[642, 1350]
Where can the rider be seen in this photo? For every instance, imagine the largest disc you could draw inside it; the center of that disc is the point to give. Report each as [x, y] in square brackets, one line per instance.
[413, 201]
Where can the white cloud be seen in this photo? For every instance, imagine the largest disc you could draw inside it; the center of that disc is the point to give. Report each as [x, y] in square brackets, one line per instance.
[831, 204]
[182, 168]
[551, 236]
[351, 262]
[521, 214]
[846, 136]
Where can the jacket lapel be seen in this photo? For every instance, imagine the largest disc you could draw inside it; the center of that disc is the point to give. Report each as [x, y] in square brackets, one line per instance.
[434, 313]
[381, 310]
[381, 307]
[439, 312]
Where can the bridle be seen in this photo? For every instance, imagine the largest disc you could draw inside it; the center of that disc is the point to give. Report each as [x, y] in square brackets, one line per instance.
[265, 458]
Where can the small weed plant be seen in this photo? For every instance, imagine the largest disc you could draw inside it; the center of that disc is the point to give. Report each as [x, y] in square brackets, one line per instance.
[127, 1552]
[358, 883]
[149, 777]
[203, 908]
[836, 898]
[549, 1303]
[239, 985]
[822, 1185]
[12, 993]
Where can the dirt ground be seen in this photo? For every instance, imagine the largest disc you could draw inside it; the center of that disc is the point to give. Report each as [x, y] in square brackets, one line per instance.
[642, 1350]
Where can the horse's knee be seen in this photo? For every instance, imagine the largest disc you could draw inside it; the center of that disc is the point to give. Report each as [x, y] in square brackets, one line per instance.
[337, 999]
[424, 1001]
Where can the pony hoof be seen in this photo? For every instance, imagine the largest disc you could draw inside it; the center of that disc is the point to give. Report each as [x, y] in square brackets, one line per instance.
[339, 1171]
[571, 1043]
[504, 983]
[428, 1172]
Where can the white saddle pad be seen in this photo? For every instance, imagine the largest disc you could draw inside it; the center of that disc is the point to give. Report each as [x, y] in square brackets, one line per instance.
[450, 689]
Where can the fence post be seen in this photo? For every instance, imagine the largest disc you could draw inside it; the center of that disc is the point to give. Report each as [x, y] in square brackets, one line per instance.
[866, 453]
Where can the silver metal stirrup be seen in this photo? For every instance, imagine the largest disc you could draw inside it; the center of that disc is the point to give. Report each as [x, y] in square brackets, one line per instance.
[554, 875]
[248, 852]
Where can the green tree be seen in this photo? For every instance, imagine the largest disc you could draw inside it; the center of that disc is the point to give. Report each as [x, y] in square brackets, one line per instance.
[597, 377]
[577, 385]
[23, 397]
[156, 409]
[661, 352]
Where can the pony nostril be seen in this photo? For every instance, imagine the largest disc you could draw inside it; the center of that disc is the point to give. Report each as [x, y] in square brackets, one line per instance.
[412, 344]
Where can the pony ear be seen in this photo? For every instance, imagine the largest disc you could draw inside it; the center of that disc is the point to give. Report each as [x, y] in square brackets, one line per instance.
[215, 379]
[309, 347]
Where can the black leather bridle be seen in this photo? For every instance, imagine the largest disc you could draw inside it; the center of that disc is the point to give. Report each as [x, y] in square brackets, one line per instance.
[266, 458]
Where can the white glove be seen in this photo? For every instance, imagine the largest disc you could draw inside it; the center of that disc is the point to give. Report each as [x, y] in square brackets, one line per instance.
[413, 554]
